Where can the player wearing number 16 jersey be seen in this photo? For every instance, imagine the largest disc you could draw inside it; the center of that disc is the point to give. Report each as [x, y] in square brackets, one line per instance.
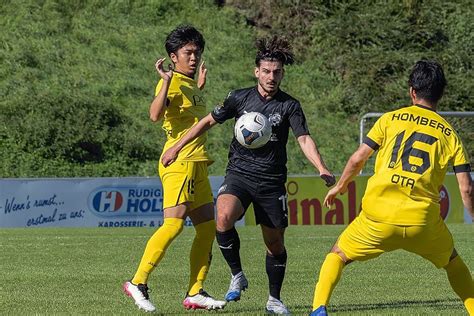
[400, 207]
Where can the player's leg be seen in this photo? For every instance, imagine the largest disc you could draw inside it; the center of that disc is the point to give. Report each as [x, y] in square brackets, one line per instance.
[232, 201]
[202, 217]
[229, 210]
[177, 184]
[201, 249]
[200, 258]
[271, 212]
[461, 281]
[362, 240]
[435, 243]
[156, 247]
[275, 266]
[329, 275]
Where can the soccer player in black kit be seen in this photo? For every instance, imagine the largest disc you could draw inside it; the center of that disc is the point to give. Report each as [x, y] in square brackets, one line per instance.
[258, 176]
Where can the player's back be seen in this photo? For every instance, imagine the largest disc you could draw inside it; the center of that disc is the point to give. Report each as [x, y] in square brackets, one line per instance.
[416, 147]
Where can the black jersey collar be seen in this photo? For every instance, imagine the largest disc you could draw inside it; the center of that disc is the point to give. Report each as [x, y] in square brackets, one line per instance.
[424, 107]
[262, 98]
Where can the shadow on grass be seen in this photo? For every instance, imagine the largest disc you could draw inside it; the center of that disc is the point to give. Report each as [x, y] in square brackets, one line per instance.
[442, 304]
[396, 304]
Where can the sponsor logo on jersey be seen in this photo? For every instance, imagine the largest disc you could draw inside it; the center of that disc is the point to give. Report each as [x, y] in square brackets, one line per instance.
[126, 201]
[275, 119]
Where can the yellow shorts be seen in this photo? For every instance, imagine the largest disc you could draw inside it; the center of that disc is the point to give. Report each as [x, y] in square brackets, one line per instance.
[365, 239]
[185, 181]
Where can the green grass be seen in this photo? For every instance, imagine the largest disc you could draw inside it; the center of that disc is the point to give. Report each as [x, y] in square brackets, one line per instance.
[80, 271]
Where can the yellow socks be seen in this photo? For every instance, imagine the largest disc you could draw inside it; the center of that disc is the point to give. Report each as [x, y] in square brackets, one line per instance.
[329, 275]
[461, 281]
[156, 247]
[201, 253]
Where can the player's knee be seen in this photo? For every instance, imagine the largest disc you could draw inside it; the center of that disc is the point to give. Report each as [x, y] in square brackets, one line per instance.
[336, 250]
[224, 221]
[206, 231]
[276, 251]
[275, 247]
[173, 226]
[452, 258]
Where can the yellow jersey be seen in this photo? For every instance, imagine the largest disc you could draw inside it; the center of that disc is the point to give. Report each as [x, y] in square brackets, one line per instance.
[185, 107]
[415, 145]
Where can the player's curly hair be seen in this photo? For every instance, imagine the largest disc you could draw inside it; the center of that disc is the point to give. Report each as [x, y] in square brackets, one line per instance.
[183, 35]
[274, 49]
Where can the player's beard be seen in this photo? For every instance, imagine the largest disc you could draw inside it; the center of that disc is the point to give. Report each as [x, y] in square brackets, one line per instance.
[269, 90]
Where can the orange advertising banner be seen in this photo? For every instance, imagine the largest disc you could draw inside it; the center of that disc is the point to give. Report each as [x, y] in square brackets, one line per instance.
[306, 195]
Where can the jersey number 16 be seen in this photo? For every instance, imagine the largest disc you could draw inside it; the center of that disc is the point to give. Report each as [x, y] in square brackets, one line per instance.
[408, 151]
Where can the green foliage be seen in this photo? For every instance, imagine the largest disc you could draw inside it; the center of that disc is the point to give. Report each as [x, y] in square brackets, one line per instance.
[77, 77]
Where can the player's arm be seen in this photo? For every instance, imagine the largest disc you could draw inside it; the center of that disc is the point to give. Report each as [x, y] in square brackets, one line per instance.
[353, 167]
[310, 150]
[159, 103]
[197, 130]
[467, 191]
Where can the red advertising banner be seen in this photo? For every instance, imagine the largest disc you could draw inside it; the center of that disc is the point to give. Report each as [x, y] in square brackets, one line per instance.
[306, 196]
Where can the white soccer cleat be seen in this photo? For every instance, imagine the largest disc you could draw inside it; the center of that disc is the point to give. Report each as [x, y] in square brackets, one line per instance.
[140, 294]
[202, 300]
[275, 306]
[238, 283]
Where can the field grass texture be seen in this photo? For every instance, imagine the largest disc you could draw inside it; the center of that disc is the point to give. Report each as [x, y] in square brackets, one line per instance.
[80, 271]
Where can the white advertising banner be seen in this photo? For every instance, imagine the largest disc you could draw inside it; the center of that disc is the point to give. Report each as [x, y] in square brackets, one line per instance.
[84, 202]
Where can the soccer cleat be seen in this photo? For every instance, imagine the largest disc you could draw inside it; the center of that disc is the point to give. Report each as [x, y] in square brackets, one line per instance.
[238, 283]
[202, 300]
[275, 306]
[140, 294]
[320, 311]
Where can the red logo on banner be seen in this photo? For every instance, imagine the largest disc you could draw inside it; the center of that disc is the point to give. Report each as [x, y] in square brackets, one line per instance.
[443, 202]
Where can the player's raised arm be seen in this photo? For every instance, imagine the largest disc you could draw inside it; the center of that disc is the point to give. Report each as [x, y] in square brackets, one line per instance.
[467, 191]
[203, 125]
[202, 76]
[158, 104]
[310, 150]
[353, 167]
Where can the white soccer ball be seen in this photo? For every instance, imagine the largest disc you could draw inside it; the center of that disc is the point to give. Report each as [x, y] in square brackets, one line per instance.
[253, 130]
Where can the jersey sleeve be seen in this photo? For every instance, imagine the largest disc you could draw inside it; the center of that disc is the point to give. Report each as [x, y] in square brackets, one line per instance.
[171, 92]
[298, 121]
[226, 110]
[375, 136]
[460, 158]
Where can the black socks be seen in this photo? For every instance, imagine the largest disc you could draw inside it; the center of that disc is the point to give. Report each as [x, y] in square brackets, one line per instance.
[229, 244]
[276, 266]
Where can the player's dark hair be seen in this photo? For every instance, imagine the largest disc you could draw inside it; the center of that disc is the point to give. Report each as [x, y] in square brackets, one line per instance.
[183, 35]
[428, 81]
[274, 49]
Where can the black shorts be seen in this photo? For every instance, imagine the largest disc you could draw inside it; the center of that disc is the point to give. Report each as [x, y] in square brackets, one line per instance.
[269, 199]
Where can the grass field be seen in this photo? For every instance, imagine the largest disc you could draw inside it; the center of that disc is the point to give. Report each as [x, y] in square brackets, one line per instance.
[80, 271]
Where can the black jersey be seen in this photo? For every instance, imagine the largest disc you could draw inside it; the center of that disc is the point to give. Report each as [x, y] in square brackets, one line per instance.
[283, 111]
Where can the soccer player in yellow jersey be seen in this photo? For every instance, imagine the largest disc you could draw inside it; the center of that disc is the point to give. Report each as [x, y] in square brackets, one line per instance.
[400, 208]
[187, 191]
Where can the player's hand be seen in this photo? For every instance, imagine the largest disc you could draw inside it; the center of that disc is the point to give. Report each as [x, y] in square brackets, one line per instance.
[164, 74]
[329, 178]
[329, 199]
[202, 76]
[169, 157]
